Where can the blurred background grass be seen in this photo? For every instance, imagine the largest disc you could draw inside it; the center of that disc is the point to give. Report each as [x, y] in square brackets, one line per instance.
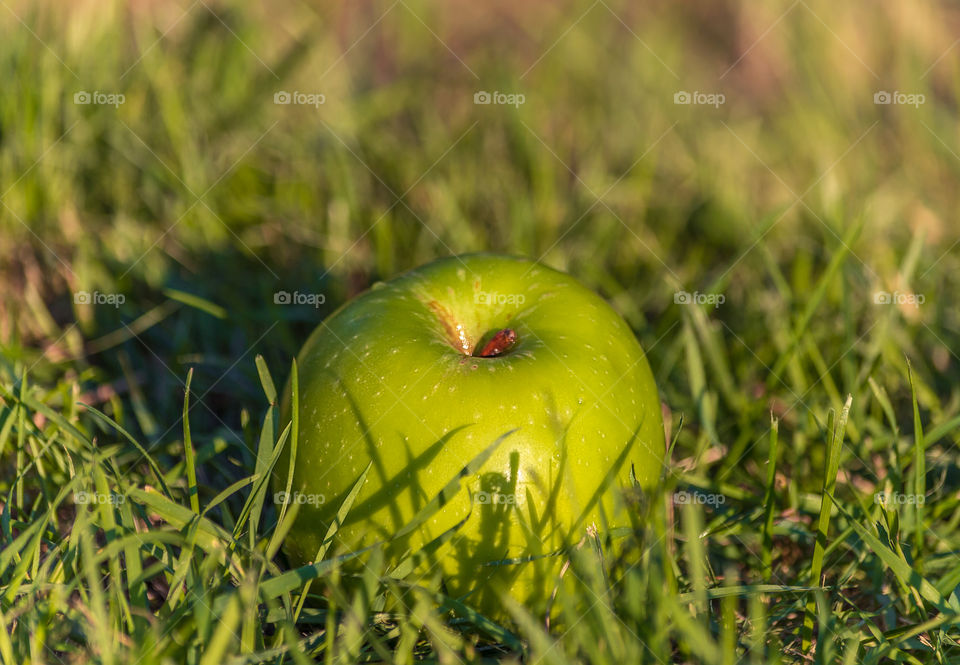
[199, 197]
[199, 182]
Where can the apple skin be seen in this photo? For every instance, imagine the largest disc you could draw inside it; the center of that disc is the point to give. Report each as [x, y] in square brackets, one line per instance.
[389, 378]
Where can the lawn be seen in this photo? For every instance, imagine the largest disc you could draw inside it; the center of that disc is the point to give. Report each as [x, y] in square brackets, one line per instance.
[763, 191]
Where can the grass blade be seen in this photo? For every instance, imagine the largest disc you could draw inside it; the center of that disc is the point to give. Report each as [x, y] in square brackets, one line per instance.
[188, 449]
[835, 430]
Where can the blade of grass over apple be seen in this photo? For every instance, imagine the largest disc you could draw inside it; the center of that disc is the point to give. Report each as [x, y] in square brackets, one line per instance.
[294, 430]
[452, 487]
[284, 524]
[536, 557]
[422, 554]
[262, 468]
[342, 513]
[260, 488]
[609, 478]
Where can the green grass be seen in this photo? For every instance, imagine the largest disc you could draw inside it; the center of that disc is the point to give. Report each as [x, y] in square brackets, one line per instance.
[197, 199]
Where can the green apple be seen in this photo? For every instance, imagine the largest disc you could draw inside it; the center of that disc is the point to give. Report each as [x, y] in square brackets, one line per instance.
[421, 374]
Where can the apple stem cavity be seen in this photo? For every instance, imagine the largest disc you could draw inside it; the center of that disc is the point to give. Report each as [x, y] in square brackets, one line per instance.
[500, 343]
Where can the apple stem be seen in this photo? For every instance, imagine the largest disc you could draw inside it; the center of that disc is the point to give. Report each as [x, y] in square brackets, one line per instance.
[500, 343]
